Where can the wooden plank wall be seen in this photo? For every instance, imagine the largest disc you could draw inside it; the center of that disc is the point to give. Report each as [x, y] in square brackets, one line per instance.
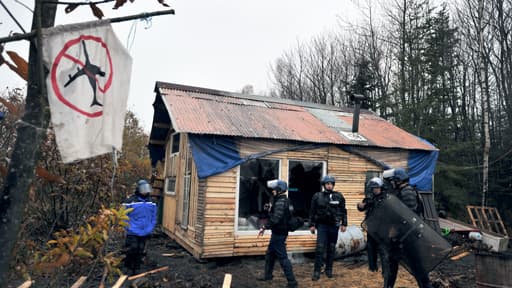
[173, 204]
[219, 214]
[169, 211]
[393, 157]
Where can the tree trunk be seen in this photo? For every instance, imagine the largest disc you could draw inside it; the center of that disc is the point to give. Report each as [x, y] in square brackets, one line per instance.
[485, 105]
[30, 133]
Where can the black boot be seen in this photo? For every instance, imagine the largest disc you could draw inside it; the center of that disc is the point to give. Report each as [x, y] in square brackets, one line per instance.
[316, 275]
[331, 250]
[270, 261]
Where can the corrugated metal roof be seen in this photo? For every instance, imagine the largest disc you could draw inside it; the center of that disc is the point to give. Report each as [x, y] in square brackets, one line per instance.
[380, 132]
[204, 111]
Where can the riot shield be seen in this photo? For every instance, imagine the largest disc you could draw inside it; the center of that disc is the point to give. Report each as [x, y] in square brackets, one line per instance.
[394, 225]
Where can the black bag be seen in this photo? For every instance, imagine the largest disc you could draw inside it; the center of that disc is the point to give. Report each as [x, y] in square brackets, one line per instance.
[294, 222]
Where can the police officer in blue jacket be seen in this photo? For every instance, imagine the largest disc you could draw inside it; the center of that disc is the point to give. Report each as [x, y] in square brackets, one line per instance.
[140, 225]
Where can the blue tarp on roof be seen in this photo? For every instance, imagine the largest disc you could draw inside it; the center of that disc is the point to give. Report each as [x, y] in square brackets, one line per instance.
[422, 165]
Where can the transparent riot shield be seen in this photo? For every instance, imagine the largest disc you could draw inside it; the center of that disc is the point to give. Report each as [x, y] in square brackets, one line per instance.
[394, 225]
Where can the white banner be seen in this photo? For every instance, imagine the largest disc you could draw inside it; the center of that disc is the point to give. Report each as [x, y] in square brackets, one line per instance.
[88, 85]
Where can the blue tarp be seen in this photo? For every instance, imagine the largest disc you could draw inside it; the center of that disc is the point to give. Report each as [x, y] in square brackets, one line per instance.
[2, 114]
[216, 154]
[213, 154]
[422, 165]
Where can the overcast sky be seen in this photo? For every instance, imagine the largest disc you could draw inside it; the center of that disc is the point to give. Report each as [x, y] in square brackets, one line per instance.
[217, 44]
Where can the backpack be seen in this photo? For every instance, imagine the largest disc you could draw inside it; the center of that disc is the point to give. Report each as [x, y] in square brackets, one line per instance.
[294, 222]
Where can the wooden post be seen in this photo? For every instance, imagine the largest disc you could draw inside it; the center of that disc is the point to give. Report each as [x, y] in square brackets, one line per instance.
[120, 281]
[26, 284]
[79, 282]
[147, 273]
[227, 281]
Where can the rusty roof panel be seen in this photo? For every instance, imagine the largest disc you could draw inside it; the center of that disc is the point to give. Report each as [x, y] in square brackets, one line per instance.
[205, 111]
[216, 116]
[382, 133]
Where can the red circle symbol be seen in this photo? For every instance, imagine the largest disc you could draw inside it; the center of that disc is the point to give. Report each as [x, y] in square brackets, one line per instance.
[63, 54]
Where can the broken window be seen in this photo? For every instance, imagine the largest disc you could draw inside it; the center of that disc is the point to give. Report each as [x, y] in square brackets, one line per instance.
[175, 148]
[170, 185]
[253, 192]
[304, 182]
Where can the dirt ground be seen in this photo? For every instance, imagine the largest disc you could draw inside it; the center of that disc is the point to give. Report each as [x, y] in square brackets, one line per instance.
[351, 271]
[185, 271]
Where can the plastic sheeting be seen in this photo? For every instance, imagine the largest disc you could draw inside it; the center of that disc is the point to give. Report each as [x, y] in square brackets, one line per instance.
[213, 154]
[422, 165]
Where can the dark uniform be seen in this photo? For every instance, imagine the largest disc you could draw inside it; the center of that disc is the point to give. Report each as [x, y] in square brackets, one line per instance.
[372, 246]
[392, 256]
[327, 213]
[278, 223]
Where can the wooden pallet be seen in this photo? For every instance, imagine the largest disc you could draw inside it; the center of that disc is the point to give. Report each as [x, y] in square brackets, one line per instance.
[487, 218]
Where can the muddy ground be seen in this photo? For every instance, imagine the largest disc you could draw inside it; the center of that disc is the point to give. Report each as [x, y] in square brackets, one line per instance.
[351, 271]
[186, 271]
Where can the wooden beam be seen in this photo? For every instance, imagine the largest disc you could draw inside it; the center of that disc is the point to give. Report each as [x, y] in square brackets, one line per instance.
[162, 125]
[157, 142]
[147, 273]
[459, 256]
[120, 281]
[79, 282]
[26, 284]
[227, 281]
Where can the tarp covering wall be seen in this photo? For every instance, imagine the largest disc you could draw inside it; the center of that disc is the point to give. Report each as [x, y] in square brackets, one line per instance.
[215, 154]
[422, 165]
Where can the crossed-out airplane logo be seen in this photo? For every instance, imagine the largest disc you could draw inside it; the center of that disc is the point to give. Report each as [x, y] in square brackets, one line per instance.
[83, 61]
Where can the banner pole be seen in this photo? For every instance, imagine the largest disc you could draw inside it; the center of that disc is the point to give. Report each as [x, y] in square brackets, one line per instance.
[31, 34]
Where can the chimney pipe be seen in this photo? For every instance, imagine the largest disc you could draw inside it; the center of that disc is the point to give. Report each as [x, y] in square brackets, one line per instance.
[357, 98]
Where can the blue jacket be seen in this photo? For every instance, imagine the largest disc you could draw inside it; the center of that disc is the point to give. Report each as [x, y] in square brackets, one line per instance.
[143, 217]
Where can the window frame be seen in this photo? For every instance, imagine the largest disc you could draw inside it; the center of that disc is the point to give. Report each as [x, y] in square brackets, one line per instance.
[324, 172]
[166, 184]
[172, 143]
[237, 198]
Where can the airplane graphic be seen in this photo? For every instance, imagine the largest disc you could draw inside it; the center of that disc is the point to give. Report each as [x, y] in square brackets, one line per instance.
[90, 70]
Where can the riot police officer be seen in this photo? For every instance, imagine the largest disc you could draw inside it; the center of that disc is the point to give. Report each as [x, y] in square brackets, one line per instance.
[376, 194]
[279, 215]
[327, 215]
[405, 192]
[392, 255]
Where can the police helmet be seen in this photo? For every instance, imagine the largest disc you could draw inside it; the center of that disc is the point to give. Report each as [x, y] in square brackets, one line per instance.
[375, 182]
[143, 187]
[279, 185]
[400, 175]
[328, 179]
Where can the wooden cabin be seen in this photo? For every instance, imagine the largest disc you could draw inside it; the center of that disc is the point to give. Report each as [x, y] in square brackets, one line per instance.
[219, 149]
